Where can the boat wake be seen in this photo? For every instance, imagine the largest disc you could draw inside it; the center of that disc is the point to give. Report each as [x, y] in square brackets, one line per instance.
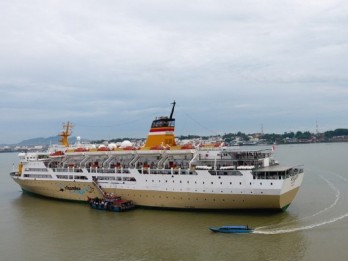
[337, 197]
[290, 230]
[339, 176]
[271, 230]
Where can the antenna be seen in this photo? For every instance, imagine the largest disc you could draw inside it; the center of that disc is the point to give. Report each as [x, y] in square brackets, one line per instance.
[317, 127]
[171, 114]
[261, 128]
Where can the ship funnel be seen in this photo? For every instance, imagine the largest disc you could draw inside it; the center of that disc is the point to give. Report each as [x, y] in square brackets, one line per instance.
[161, 133]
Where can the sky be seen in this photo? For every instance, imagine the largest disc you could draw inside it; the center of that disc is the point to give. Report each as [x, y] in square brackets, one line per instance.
[111, 66]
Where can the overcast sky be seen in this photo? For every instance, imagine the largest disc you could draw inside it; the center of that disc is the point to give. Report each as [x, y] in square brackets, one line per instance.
[111, 66]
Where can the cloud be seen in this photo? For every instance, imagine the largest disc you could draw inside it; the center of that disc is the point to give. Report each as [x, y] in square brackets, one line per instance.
[229, 64]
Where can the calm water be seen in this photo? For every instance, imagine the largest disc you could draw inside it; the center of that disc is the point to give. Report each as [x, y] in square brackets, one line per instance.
[315, 226]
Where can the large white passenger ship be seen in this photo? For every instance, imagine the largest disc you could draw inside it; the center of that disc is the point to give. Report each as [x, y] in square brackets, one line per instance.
[161, 173]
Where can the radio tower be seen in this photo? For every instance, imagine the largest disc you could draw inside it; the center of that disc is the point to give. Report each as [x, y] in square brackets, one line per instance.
[262, 129]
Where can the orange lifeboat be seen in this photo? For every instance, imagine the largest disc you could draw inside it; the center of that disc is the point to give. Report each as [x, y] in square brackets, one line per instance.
[103, 149]
[187, 147]
[80, 150]
[57, 153]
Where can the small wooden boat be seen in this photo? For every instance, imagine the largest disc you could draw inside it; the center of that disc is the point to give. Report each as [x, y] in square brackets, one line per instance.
[115, 204]
[232, 229]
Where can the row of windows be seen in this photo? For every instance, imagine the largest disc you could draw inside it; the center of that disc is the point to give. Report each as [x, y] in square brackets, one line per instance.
[37, 176]
[36, 169]
[167, 171]
[212, 183]
[71, 177]
[182, 198]
[225, 172]
[118, 178]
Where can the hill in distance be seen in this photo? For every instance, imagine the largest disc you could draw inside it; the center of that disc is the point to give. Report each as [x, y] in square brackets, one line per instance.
[44, 141]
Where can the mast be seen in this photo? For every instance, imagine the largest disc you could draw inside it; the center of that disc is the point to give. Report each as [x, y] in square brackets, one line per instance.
[65, 134]
[171, 114]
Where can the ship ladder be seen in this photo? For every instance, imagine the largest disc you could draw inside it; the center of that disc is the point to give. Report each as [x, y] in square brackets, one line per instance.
[96, 184]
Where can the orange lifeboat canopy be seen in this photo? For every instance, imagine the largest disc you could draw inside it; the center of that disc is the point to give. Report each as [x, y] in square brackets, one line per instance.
[103, 149]
[57, 153]
[187, 146]
[80, 150]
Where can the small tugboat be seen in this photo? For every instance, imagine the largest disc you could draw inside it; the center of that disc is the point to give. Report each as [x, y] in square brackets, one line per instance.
[232, 229]
[115, 204]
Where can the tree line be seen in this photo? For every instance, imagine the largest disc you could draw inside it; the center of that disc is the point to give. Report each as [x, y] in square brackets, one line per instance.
[268, 137]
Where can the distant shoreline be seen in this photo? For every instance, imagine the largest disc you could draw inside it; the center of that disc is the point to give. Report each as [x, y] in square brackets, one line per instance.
[31, 148]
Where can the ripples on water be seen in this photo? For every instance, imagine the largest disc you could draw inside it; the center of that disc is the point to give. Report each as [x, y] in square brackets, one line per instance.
[34, 228]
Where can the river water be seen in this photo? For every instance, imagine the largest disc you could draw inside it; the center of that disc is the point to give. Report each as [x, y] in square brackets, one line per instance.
[314, 227]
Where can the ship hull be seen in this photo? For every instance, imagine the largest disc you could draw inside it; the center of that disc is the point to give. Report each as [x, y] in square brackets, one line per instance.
[81, 191]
